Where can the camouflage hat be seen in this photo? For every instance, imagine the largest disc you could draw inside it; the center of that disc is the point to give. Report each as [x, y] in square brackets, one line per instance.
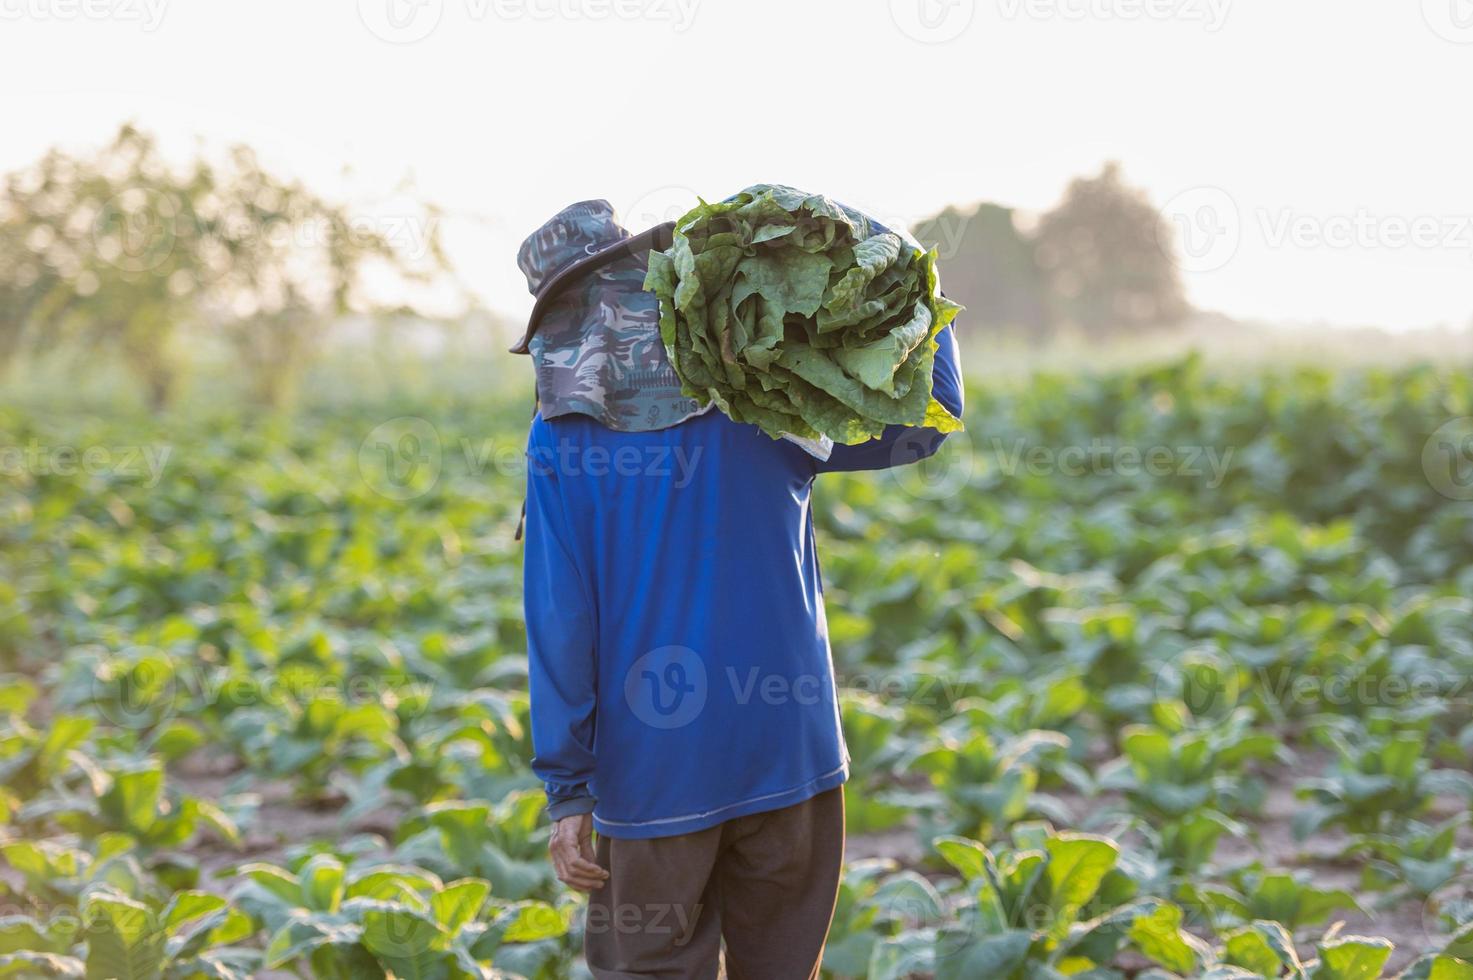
[594, 333]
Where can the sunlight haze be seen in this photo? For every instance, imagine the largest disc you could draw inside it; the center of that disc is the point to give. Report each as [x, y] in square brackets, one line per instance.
[1325, 158]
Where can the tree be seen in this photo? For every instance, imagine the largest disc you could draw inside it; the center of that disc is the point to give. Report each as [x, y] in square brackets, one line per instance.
[87, 256]
[989, 267]
[1101, 249]
[118, 253]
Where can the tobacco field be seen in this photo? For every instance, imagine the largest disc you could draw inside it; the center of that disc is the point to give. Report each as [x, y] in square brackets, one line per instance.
[1156, 673]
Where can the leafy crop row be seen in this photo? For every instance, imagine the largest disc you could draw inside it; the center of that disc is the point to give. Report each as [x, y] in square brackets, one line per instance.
[267, 712]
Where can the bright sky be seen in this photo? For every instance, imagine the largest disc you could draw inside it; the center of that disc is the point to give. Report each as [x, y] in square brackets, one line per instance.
[1318, 151]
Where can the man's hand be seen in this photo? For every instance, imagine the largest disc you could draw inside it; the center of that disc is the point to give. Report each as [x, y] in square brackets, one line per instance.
[571, 848]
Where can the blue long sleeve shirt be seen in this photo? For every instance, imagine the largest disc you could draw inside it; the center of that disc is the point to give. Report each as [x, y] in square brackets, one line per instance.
[678, 652]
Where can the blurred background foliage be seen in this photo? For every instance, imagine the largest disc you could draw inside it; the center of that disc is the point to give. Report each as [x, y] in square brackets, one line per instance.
[121, 255]
[1100, 263]
[134, 265]
[262, 683]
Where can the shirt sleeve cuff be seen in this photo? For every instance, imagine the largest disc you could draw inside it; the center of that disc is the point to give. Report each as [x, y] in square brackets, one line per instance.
[570, 807]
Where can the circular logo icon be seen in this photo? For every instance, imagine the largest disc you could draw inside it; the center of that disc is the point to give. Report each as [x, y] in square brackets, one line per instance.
[1447, 459]
[400, 459]
[666, 688]
[1207, 682]
[1448, 910]
[1201, 230]
[136, 230]
[940, 476]
[135, 692]
[1451, 20]
[932, 21]
[401, 21]
[658, 206]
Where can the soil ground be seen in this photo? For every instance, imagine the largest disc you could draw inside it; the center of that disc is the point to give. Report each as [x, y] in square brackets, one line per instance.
[281, 821]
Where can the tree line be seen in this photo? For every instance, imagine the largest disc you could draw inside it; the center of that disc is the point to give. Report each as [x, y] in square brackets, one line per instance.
[121, 255]
[117, 254]
[1100, 264]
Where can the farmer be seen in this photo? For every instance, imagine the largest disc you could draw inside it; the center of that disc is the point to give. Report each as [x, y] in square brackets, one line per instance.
[683, 697]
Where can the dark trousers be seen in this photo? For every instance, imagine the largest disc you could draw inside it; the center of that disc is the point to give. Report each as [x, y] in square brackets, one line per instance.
[766, 883]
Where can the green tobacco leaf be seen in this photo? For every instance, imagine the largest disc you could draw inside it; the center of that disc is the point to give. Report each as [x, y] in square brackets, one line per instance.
[43, 862]
[1099, 940]
[459, 903]
[1437, 967]
[393, 883]
[1460, 944]
[1351, 958]
[849, 956]
[1280, 897]
[277, 881]
[190, 920]
[989, 956]
[305, 932]
[20, 933]
[216, 818]
[221, 964]
[321, 881]
[1149, 750]
[30, 965]
[133, 799]
[535, 921]
[967, 856]
[1447, 968]
[897, 957]
[1076, 866]
[408, 943]
[908, 897]
[973, 860]
[1263, 947]
[185, 906]
[17, 694]
[537, 959]
[262, 906]
[124, 940]
[798, 315]
[1017, 879]
[1158, 935]
[462, 828]
[178, 739]
[63, 734]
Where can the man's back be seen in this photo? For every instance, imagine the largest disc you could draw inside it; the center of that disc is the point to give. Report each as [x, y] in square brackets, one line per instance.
[675, 613]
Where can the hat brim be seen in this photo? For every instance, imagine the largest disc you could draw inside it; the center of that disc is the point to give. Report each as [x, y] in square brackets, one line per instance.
[657, 238]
